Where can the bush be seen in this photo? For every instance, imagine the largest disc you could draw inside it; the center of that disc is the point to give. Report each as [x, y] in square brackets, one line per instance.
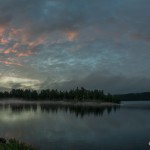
[13, 144]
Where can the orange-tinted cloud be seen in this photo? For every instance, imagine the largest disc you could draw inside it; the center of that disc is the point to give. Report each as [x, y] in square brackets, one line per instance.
[7, 51]
[21, 33]
[4, 41]
[71, 35]
[138, 36]
[2, 30]
[24, 38]
[10, 50]
[37, 41]
[24, 54]
[10, 63]
[15, 45]
[15, 31]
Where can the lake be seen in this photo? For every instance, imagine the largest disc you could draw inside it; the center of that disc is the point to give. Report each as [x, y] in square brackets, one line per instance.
[51, 127]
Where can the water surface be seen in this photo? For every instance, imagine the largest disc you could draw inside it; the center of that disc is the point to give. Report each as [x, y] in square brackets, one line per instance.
[84, 128]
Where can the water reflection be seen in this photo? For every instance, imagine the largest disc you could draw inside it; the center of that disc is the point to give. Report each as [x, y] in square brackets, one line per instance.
[79, 111]
[58, 127]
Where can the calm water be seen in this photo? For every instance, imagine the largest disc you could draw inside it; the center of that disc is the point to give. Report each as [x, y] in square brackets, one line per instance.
[78, 128]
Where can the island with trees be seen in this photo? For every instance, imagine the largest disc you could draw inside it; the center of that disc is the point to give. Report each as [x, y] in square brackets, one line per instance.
[74, 95]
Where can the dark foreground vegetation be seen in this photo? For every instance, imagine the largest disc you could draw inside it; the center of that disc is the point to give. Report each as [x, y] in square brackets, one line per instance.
[12, 144]
[134, 96]
[74, 95]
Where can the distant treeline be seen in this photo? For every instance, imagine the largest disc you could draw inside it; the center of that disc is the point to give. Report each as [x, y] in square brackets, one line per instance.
[134, 96]
[78, 94]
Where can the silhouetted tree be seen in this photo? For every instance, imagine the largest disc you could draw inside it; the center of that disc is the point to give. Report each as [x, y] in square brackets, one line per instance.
[78, 94]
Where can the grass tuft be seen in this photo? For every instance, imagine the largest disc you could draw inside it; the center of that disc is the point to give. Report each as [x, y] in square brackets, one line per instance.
[13, 144]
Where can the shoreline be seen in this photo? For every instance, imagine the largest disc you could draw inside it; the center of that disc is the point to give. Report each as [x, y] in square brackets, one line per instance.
[63, 103]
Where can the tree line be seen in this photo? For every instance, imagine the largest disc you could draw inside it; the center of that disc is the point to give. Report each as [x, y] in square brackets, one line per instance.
[134, 96]
[78, 94]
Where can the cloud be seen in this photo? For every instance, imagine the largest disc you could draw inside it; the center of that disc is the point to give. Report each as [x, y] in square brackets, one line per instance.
[140, 37]
[17, 82]
[70, 42]
[10, 63]
[24, 54]
[109, 83]
[9, 50]
[71, 35]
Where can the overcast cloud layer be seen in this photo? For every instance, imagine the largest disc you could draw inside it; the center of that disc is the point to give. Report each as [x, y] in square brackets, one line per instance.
[63, 44]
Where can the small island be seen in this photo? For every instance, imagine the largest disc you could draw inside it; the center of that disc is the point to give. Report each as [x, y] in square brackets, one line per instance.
[78, 95]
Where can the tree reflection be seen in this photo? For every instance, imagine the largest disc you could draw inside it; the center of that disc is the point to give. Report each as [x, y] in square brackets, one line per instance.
[78, 110]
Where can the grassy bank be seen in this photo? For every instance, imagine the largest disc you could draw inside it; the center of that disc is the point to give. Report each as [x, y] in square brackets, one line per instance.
[13, 144]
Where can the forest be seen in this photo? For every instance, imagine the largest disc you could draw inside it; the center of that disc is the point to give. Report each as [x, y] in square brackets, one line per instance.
[74, 95]
[134, 96]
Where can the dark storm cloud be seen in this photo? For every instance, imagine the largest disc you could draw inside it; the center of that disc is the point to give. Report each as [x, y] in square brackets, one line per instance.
[41, 16]
[110, 83]
[51, 15]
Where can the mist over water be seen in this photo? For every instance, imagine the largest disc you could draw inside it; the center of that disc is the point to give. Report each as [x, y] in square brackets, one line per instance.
[78, 127]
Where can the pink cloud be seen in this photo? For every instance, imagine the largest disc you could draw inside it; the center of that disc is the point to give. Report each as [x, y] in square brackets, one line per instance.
[24, 54]
[10, 50]
[15, 45]
[71, 35]
[10, 63]
[2, 30]
[138, 36]
[4, 41]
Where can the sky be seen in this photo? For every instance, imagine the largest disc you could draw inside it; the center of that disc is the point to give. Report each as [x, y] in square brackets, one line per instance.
[97, 44]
